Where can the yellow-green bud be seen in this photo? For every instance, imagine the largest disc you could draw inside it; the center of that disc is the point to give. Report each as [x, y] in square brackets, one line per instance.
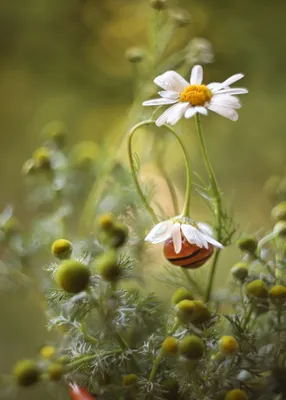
[55, 372]
[240, 271]
[257, 289]
[129, 380]
[48, 352]
[42, 158]
[277, 294]
[107, 266]
[62, 249]
[181, 294]
[63, 360]
[236, 394]
[278, 213]
[228, 345]
[170, 346]
[280, 228]
[134, 55]
[193, 311]
[117, 235]
[106, 222]
[26, 373]
[247, 243]
[29, 167]
[192, 347]
[73, 276]
[159, 4]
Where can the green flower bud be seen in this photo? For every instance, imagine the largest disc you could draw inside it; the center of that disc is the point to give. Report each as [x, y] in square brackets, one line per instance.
[236, 394]
[181, 294]
[192, 347]
[55, 372]
[134, 55]
[26, 373]
[277, 294]
[29, 167]
[63, 360]
[278, 213]
[193, 311]
[240, 271]
[257, 289]
[42, 158]
[48, 352]
[106, 222]
[170, 346]
[280, 229]
[228, 345]
[171, 387]
[159, 4]
[72, 276]
[107, 266]
[62, 249]
[117, 236]
[56, 131]
[129, 380]
[247, 243]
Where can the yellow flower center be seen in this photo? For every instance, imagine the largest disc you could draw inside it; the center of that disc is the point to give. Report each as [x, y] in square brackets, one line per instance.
[196, 95]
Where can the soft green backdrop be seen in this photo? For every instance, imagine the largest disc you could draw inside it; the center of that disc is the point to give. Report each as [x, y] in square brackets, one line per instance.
[65, 60]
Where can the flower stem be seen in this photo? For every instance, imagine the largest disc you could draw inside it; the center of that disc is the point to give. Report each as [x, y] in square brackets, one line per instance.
[156, 364]
[217, 204]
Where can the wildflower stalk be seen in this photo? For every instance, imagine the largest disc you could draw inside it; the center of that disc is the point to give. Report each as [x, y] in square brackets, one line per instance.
[156, 364]
[217, 204]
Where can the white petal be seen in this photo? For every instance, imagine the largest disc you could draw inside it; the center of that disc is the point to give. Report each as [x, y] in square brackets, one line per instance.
[191, 111]
[173, 114]
[169, 94]
[159, 102]
[160, 232]
[231, 91]
[232, 79]
[225, 100]
[212, 241]
[194, 236]
[177, 237]
[171, 80]
[226, 112]
[205, 228]
[214, 86]
[197, 75]
[201, 110]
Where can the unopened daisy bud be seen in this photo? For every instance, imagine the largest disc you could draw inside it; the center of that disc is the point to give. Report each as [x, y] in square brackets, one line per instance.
[63, 360]
[62, 249]
[159, 4]
[73, 276]
[55, 372]
[257, 289]
[248, 244]
[29, 167]
[106, 222]
[185, 310]
[192, 347]
[280, 229]
[236, 394]
[107, 266]
[170, 346]
[42, 158]
[278, 213]
[181, 17]
[240, 271]
[48, 352]
[277, 294]
[117, 236]
[26, 372]
[130, 380]
[134, 55]
[181, 294]
[228, 345]
[202, 313]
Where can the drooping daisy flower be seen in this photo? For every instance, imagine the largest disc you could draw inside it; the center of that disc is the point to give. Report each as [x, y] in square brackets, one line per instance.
[187, 244]
[188, 99]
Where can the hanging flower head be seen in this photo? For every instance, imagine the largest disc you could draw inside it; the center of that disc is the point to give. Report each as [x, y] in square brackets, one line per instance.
[188, 99]
[187, 244]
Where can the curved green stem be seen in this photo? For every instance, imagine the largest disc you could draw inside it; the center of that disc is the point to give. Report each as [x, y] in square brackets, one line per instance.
[217, 205]
[186, 207]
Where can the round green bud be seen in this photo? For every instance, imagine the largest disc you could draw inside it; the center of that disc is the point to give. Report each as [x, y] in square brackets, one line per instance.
[26, 373]
[202, 313]
[193, 311]
[192, 347]
[257, 289]
[72, 276]
[63, 360]
[240, 271]
[277, 294]
[42, 158]
[171, 388]
[29, 167]
[159, 4]
[181, 294]
[134, 55]
[247, 243]
[280, 229]
[55, 372]
[228, 345]
[170, 346]
[278, 213]
[129, 380]
[236, 394]
[48, 352]
[62, 249]
[106, 222]
[117, 235]
[107, 266]
[56, 131]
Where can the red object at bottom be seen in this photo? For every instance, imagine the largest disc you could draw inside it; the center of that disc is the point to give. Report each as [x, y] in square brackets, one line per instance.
[190, 256]
[79, 393]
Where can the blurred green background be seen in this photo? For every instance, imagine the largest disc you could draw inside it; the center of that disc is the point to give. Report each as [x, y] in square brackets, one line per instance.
[65, 60]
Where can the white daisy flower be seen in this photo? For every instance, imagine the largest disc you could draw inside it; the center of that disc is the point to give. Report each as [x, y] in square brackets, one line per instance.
[199, 234]
[188, 99]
